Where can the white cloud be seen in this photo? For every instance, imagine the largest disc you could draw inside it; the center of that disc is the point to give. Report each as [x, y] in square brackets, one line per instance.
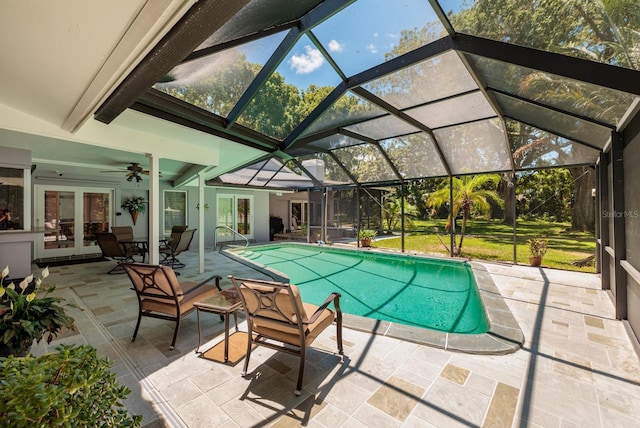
[335, 46]
[307, 62]
[372, 48]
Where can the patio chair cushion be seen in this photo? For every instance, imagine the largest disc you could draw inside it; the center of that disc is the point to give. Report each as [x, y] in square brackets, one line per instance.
[292, 335]
[186, 294]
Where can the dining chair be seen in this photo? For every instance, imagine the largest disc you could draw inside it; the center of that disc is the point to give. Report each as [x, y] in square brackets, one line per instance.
[173, 248]
[126, 238]
[178, 228]
[176, 231]
[111, 248]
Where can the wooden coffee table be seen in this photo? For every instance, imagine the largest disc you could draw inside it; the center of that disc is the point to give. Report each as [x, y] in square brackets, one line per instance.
[225, 303]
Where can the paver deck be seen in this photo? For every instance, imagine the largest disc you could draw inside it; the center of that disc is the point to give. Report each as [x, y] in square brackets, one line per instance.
[578, 366]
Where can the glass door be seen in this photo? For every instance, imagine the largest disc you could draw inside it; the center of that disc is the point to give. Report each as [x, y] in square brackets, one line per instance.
[244, 216]
[298, 215]
[69, 218]
[235, 212]
[96, 215]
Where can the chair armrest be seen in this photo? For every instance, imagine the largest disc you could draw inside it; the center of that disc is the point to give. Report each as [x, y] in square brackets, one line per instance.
[205, 282]
[333, 297]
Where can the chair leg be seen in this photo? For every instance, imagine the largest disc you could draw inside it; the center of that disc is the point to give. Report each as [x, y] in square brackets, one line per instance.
[135, 332]
[339, 337]
[175, 334]
[249, 347]
[116, 269]
[301, 369]
[176, 264]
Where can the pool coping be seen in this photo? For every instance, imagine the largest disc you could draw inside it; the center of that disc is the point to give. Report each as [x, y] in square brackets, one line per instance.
[504, 336]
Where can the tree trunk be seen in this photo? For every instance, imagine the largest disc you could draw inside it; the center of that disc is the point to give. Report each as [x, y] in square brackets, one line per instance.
[462, 230]
[583, 209]
[505, 187]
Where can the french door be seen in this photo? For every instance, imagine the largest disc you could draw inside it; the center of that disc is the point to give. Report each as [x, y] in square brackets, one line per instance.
[297, 214]
[235, 212]
[69, 217]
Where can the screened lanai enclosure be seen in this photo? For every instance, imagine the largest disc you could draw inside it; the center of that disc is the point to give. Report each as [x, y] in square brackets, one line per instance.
[385, 92]
[348, 99]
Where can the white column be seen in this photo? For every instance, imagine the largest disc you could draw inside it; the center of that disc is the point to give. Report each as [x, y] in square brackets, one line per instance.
[155, 206]
[201, 225]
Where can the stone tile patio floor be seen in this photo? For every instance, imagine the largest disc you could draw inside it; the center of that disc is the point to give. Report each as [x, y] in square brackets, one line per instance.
[578, 367]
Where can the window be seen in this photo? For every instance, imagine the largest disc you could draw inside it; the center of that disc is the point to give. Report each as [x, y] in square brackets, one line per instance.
[11, 198]
[175, 209]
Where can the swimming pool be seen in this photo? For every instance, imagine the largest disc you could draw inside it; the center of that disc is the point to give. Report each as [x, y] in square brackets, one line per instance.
[435, 294]
[426, 299]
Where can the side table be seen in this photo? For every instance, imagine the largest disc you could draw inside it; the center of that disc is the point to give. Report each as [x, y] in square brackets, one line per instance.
[225, 303]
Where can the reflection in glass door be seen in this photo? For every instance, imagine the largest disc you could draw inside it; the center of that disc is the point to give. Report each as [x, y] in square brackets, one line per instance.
[298, 214]
[69, 218]
[95, 217]
[235, 212]
[243, 216]
[59, 224]
[225, 217]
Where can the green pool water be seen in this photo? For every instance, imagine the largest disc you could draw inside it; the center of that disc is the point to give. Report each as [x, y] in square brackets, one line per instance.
[428, 293]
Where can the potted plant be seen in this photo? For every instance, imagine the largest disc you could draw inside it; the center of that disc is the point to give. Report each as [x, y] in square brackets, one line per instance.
[135, 205]
[538, 248]
[28, 313]
[366, 235]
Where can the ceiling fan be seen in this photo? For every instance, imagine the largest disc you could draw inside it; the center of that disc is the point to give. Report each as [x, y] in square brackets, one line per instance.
[133, 172]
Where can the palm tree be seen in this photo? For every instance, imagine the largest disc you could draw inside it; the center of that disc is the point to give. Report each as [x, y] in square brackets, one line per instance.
[392, 212]
[470, 194]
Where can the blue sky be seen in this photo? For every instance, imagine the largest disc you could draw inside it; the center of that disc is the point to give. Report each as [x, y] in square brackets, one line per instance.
[357, 38]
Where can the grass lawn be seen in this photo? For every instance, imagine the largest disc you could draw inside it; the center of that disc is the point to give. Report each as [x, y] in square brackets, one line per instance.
[493, 240]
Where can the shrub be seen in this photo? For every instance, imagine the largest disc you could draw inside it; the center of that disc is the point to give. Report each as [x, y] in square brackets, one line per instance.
[72, 386]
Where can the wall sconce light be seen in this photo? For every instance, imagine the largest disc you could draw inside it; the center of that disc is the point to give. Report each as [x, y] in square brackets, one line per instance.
[206, 206]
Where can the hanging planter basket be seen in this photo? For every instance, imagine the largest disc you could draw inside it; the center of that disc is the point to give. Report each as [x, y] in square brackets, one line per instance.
[135, 205]
[134, 216]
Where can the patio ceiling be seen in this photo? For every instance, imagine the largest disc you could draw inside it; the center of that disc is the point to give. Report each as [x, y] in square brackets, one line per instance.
[384, 92]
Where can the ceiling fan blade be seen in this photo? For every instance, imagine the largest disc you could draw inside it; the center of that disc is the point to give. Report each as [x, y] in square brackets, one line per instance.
[133, 171]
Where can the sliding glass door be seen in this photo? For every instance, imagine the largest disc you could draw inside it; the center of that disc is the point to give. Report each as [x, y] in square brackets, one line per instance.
[234, 212]
[69, 218]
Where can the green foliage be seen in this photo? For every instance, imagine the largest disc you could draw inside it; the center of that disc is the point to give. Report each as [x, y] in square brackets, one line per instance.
[416, 190]
[134, 204]
[471, 195]
[392, 213]
[71, 387]
[600, 30]
[545, 194]
[367, 234]
[25, 316]
[537, 246]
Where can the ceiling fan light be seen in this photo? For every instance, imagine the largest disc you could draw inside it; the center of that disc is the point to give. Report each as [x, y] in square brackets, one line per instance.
[130, 178]
[138, 179]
